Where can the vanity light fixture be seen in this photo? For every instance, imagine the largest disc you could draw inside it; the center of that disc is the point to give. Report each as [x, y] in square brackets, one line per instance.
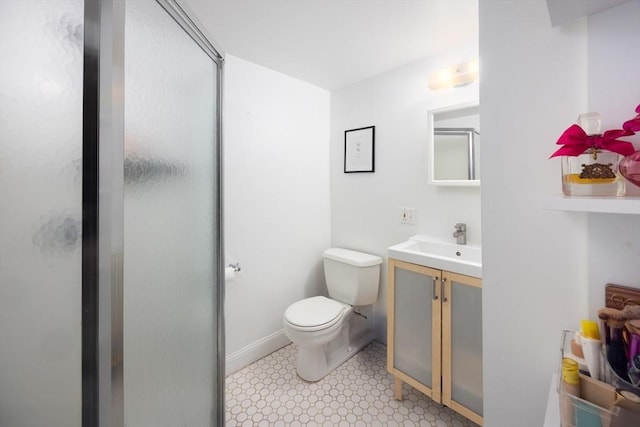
[455, 76]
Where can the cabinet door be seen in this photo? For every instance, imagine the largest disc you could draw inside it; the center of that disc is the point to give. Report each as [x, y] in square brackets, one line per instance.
[414, 326]
[462, 345]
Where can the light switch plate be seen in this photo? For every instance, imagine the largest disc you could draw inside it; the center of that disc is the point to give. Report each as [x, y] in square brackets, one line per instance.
[407, 216]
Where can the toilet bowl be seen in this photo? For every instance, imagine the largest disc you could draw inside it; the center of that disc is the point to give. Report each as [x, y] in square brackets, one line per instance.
[325, 330]
[312, 323]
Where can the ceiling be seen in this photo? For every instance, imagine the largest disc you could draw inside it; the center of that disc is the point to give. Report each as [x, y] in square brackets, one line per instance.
[561, 11]
[334, 43]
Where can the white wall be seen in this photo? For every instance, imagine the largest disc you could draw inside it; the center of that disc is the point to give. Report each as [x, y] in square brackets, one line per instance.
[542, 267]
[276, 194]
[614, 91]
[365, 206]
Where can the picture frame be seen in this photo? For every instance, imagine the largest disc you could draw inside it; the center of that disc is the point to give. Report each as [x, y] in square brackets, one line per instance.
[359, 150]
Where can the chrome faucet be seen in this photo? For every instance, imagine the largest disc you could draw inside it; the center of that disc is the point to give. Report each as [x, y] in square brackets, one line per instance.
[461, 233]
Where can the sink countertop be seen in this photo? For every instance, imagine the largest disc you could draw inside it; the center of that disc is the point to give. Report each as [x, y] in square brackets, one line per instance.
[440, 254]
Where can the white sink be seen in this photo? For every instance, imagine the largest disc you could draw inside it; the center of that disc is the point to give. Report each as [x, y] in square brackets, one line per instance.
[441, 254]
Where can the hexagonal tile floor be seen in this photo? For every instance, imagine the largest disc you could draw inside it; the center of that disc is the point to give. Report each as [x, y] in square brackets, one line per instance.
[357, 393]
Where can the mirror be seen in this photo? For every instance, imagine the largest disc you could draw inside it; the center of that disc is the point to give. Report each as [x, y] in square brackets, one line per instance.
[454, 145]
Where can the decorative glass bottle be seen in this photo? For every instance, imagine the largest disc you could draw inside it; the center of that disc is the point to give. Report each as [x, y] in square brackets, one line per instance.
[630, 165]
[594, 172]
[630, 168]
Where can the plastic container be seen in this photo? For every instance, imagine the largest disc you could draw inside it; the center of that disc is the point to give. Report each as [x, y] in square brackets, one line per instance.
[586, 413]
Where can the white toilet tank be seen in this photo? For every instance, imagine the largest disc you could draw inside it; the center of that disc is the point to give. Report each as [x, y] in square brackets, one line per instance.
[352, 277]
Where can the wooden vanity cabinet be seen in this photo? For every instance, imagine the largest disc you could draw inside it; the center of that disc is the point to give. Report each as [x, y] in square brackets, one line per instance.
[434, 333]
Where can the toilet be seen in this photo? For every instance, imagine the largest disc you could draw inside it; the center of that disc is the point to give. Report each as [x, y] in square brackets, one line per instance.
[328, 331]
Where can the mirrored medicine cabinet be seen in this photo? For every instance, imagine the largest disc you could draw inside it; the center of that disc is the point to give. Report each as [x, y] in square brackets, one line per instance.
[454, 145]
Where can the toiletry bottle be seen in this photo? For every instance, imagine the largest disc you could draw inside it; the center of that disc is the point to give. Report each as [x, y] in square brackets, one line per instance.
[569, 385]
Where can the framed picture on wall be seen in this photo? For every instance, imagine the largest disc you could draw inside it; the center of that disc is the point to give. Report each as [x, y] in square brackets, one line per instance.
[359, 150]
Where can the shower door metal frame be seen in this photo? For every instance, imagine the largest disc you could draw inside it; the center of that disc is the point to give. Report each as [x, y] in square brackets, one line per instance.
[103, 212]
[102, 224]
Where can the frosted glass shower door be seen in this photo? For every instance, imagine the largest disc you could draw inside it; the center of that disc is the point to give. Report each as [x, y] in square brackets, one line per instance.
[169, 218]
[41, 87]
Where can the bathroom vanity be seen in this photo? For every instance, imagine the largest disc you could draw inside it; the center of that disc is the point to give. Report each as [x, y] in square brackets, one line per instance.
[434, 327]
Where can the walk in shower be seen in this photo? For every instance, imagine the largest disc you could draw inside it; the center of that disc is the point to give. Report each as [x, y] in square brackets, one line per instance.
[111, 263]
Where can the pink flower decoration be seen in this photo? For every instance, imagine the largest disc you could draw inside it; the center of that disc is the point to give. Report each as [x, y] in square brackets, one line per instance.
[634, 124]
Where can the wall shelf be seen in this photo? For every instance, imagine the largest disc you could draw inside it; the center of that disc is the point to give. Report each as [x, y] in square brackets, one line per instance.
[617, 205]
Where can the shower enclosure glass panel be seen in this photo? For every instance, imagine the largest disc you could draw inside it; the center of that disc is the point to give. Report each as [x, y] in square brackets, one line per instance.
[41, 67]
[169, 217]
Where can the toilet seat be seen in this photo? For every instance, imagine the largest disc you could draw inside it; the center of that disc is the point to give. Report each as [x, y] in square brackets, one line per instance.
[315, 313]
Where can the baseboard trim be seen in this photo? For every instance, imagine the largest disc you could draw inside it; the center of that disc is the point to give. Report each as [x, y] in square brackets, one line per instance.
[255, 351]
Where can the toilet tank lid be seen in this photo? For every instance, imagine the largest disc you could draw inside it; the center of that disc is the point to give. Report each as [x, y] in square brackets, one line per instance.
[347, 256]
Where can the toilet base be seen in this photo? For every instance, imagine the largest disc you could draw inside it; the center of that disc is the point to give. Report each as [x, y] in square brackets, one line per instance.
[315, 362]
